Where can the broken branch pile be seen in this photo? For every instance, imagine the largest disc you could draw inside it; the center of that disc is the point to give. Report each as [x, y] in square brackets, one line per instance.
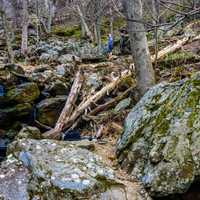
[72, 114]
[68, 118]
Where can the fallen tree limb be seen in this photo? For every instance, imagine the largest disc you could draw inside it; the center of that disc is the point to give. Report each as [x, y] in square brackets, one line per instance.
[97, 65]
[93, 99]
[110, 103]
[99, 132]
[174, 47]
[67, 110]
[43, 126]
[170, 49]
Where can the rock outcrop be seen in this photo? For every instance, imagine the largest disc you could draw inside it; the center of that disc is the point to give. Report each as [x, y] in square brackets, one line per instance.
[51, 170]
[161, 141]
[23, 93]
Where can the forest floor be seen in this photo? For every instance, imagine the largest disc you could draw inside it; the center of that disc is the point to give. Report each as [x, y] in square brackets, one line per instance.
[107, 125]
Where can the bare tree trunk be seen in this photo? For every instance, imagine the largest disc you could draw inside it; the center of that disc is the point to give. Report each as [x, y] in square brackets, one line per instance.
[111, 22]
[25, 23]
[98, 23]
[7, 31]
[83, 32]
[93, 99]
[83, 22]
[98, 34]
[156, 12]
[173, 47]
[67, 110]
[144, 71]
[50, 15]
[37, 22]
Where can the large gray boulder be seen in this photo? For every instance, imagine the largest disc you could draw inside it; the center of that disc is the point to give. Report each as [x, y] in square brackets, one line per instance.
[61, 171]
[14, 178]
[68, 58]
[161, 141]
[49, 56]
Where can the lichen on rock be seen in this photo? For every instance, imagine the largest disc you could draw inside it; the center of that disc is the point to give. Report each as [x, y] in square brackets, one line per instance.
[63, 170]
[161, 138]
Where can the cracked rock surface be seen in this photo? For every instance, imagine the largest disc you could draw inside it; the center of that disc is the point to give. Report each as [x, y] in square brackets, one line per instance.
[47, 169]
[161, 141]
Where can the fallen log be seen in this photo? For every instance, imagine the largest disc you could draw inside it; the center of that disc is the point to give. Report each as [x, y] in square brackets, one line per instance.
[174, 47]
[93, 99]
[68, 108]
[110, 103]
[96, 65]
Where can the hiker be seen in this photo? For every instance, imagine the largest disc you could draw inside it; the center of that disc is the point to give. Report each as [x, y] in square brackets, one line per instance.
[125, 46]
[2, 91]
[110, 45]
[123, 34]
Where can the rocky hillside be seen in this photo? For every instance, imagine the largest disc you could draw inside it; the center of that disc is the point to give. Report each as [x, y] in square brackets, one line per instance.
[153, 155]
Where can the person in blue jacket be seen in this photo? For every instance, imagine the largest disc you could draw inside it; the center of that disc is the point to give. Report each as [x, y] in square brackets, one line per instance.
[1, 91]
[110, 45]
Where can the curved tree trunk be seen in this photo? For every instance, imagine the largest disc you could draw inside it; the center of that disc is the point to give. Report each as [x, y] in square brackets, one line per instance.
[84, 24]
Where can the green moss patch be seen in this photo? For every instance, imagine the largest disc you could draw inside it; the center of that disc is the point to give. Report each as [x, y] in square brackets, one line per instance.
[178, 58]
[67, 31]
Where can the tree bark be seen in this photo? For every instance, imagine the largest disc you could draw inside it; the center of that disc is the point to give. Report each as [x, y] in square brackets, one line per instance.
[83, 22]
[8, 31]
[93, 99]
[67, 110]
[156, 13]
[144, 71]
[111, 22]
[98, 23]
[25, 23]
[8, 35]
[37, 22]
[50, 15]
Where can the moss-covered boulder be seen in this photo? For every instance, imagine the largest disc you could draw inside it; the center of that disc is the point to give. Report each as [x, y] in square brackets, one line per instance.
[49, 110]
[161, 141]
[11, 75]
[61, 171]
[29, 132]
[24, 93]
[57, 87]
